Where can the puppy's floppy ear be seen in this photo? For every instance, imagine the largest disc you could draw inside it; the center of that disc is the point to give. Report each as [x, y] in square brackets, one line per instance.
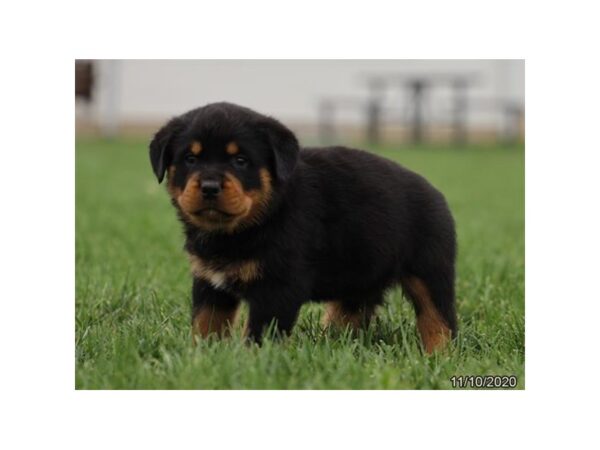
[284, 147]
[161, 153]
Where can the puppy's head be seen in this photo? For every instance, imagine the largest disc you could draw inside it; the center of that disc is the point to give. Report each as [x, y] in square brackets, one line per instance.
[224, 165]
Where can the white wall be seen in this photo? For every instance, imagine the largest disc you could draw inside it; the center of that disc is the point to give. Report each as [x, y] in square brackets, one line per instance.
[153, 90]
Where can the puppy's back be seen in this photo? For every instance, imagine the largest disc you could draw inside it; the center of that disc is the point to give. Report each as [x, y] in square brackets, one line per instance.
[374, 206]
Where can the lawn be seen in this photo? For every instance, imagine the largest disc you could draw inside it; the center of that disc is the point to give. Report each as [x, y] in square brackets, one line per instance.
[133, 283]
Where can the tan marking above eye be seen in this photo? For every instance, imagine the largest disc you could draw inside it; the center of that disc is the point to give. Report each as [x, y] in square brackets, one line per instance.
[232, 148]
[196, 147]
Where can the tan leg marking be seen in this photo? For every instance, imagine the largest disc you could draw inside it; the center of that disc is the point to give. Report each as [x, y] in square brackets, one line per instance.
[336, 315]
[210, 320]
[433, 329]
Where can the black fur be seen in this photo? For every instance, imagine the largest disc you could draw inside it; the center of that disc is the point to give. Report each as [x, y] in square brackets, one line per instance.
[341, 224]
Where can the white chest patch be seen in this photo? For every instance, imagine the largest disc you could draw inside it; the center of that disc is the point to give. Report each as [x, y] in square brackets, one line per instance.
[217, 279]
[239, 272]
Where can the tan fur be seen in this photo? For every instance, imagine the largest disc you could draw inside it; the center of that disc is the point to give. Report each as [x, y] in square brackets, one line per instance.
[232, 148]
[434, 331]
[190, 200]
[249, 271]
[221, 274]
[336, 315]
[173, 190]
[260, 198]
[210, 320]
[196, 147]
[247, 207]
[234, 198]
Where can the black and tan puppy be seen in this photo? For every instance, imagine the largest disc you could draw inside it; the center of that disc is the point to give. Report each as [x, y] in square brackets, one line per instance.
[277, 226]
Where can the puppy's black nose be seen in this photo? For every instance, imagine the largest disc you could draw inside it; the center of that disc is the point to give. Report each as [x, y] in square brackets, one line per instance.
[210, 188]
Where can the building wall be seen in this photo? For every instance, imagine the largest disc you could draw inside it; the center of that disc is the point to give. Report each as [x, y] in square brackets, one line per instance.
[150, 91]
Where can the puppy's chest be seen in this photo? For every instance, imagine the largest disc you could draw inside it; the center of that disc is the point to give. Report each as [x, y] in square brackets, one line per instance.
[226, 274]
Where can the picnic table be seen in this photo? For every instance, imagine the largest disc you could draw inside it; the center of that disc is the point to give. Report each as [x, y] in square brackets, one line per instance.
[417, 88]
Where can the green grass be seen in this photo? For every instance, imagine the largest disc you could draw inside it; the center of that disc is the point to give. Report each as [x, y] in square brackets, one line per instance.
[133, 283]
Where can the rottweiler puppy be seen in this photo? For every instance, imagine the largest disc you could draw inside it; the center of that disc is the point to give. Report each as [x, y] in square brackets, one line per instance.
[277, 226]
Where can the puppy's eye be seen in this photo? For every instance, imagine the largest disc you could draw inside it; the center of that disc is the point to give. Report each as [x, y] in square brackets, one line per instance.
[190, 159]
[240, 161]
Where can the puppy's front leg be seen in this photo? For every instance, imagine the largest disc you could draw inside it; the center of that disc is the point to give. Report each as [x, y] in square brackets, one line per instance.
[281, 310]
[213, 310]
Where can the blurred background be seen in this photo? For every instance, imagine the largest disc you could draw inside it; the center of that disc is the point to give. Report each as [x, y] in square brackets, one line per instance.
[323, 101]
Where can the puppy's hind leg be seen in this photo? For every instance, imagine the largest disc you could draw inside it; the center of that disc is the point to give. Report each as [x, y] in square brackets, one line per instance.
[433, 301]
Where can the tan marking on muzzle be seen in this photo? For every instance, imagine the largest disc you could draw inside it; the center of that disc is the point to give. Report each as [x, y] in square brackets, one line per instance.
[246, 207]
[190, 200]
[173, 190]
[234, 199]
[260, 198]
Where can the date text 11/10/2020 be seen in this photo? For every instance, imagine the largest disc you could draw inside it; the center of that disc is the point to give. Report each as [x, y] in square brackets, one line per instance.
[484, 381]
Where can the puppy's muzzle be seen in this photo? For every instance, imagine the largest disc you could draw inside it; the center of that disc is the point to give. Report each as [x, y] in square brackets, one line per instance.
[210, 189]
